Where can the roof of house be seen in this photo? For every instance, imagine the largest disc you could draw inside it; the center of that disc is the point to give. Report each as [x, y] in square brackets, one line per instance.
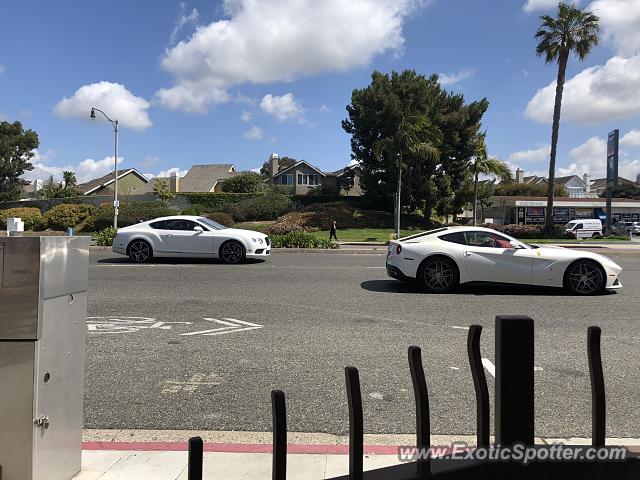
[203, 178]
[298, 164]
[93, 185]
[564, 180]
[602, 182]
[535, 179]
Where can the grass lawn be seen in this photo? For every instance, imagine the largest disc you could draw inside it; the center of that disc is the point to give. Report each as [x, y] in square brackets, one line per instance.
[365, 234]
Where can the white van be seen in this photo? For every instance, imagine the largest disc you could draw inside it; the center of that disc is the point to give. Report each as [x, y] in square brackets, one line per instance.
[584, 228]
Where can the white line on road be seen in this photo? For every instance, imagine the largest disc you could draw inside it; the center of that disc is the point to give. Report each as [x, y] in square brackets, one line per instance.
[460, 328]
[377, 267]
[489, 366]
[243, 322]
[234, 330]
[222, 322]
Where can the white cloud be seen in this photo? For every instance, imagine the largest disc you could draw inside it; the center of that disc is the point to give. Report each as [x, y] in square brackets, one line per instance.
[532, 155]
[168, 172]
[631, 138]
[255, 170]
[597, 94]
[450, 79]
[266, 41]
[245, 116]
[149, 161]
[282, 107]
[535, 5]
[113, 98]
[591, 157]
[2, 69]
[86, 170]
[254, 133]
[620, 22]
[182, 20]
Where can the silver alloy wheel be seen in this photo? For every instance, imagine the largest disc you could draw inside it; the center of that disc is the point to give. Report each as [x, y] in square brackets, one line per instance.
[139, 251]
[438, 275]
[585, 278]
[232, 252]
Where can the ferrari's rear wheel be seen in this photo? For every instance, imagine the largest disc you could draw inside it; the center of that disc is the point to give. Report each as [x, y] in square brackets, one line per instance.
[438, 275]
[584, 277]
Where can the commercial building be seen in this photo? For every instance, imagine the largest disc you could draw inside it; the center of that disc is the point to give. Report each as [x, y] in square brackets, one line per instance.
[531, 210]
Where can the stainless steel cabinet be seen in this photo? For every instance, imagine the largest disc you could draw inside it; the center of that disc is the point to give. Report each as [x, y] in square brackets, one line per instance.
[43, 305]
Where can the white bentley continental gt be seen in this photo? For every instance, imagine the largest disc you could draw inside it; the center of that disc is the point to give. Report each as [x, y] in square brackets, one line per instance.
[190, 237]
[444, 258]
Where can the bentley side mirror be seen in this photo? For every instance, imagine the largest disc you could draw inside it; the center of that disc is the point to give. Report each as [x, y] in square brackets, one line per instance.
[198, 229]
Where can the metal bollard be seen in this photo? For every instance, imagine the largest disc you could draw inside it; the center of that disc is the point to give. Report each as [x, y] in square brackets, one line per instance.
[194, 469]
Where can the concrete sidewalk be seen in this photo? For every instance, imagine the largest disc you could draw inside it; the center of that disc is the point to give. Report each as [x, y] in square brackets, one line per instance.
[162, 454]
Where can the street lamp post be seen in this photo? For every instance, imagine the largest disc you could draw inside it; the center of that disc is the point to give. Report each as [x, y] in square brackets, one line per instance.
[116, 204]
[398, 205]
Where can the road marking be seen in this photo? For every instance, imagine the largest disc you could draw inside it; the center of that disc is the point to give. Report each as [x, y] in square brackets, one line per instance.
[489, 366]
[196, 381]
[232, 325]
[377, 267]
[100, 325]
[454, 368]
[492, 369]
[460, 328]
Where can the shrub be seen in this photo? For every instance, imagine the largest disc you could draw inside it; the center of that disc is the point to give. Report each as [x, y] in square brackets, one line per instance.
[30, 216]
[128, 214]
[320, 216]
[66, 215]
[300, 240]
[195, 209]
[243, 183]
[266, 207]
[222, 218]
[528, 231]
[105, 236]
[216, 201]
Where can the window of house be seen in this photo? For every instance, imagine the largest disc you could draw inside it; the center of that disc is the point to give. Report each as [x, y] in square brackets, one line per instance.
[286, 179]
[314, 179]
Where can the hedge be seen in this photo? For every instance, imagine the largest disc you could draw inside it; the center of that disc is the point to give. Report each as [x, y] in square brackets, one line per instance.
[528, 231]
[128, 214]
[30, 216]
[265, 207]
[222, 218]
[301, 240]
[214, 200]
[66, 215]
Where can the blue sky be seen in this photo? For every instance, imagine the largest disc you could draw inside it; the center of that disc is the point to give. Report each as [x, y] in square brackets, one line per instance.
[233, 81]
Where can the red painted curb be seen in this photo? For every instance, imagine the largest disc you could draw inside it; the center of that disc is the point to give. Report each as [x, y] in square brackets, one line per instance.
[237, 448]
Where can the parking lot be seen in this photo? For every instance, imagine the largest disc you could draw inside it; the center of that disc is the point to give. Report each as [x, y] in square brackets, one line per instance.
[199, 345]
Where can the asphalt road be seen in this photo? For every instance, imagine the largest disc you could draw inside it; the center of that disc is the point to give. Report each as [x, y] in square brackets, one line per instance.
[319, 312]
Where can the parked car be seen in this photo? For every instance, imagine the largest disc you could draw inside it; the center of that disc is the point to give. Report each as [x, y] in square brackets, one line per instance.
[444, 258]
[584, 228]
[189, 236]
[624, 227]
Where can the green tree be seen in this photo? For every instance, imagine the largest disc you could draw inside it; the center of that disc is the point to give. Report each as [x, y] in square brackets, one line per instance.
[69, 179]
[283, 162]
[415, 138]
[16, 150]
[626, 190]
[376, 111]
[346, 181]
[162, 190]
[50, 188]
[575, 31]
[513, 189]
[486, 165]
[243, 183]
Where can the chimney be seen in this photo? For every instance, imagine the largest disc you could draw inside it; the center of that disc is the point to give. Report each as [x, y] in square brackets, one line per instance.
[638, 179]
[274, 160]
[38, 184]
[586, 178]
[519, 175]
[174, 182]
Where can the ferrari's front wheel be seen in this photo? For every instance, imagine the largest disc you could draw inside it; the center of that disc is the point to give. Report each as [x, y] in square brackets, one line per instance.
[584, 277]
[438, 275]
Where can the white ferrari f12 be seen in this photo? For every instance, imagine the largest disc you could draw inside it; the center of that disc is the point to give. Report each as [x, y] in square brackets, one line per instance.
[444, 258]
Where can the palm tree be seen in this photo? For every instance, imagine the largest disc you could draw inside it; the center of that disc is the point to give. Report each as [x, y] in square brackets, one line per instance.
[69, 179]
[487, 165]
[415, 136]
[573, 31]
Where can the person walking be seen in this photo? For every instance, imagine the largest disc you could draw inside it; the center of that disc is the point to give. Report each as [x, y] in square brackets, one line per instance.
[332, 232]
